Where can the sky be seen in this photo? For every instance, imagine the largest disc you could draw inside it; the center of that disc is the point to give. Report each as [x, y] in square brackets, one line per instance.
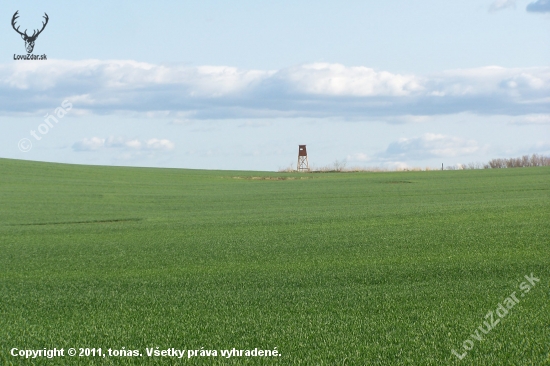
[238, 85]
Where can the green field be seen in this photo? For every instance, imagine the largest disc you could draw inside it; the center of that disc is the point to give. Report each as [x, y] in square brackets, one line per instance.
[330, 269]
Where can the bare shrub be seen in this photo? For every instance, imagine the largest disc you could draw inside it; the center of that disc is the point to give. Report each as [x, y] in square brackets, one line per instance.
[339, 165]
[525, 161]
[497, 163]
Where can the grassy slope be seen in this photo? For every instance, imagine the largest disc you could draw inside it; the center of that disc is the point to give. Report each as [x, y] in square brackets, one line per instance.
[362, 268]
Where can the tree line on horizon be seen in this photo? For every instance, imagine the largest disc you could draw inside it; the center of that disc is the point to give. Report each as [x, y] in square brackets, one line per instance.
[503, 163]
[500, 163]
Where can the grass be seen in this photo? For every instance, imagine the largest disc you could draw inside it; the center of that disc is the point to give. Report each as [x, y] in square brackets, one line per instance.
[336, 269]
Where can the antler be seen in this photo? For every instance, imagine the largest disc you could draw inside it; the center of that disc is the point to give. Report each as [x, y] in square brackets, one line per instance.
[43, 24]
[34, 34]
[13, 19]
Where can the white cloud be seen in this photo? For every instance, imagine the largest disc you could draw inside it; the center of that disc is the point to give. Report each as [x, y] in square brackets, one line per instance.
[89, 144]
[430, 145]
[134, 144]
[115, 142]
[490, 80]
[424, 147]
[339, 80]
[97, 143]
[501, 4]
[159, 144]
[531, 119]
[179, 93]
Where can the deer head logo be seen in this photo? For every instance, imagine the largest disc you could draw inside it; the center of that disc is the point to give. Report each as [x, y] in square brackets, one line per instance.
[29, 40]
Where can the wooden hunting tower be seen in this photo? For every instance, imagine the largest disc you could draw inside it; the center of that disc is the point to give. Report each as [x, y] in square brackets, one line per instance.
[303, 165]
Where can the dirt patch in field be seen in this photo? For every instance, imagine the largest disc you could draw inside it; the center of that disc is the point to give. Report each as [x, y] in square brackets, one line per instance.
[79, 222]
[272, 178]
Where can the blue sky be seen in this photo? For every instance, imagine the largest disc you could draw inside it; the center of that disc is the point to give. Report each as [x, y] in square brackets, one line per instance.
[221, 85]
